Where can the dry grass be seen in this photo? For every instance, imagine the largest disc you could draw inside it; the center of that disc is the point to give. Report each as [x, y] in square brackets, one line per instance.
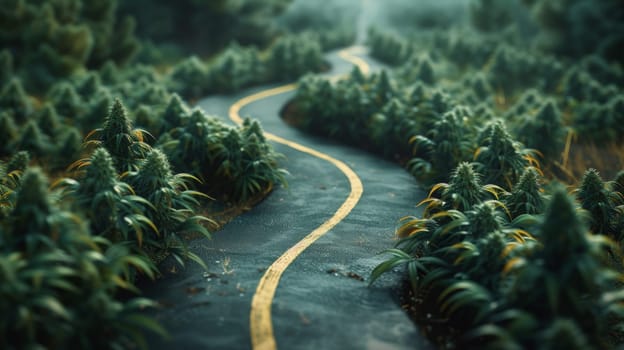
[578, 156]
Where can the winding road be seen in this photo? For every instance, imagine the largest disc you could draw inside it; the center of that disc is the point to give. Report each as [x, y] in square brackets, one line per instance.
[290, 273]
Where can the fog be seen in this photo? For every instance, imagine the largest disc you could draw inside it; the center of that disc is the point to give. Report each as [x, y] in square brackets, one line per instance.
[397, 15]
[417, 14]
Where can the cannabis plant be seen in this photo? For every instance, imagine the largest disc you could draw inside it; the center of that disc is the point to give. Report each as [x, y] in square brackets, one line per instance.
[526, 196]
[510, 69]
[480, 86]
[564, 333]
[68, 148]
[500, 158]
[99, 106]
[292, 56]
[462, 192]
[172, 205]
[9, 182]
[235, 68]
[49, 120]
[29, 224]
[188, 78]
[18, 161]
[175, 115]
[124, 144]
[426, 72]
[66, 100]
[34, 140]
[545, 131]
[60, 284]
[383, 88]
[259, 170]
[189, 144]
[600, 202]
[390, 129]
[617, 186]
[488, 242]
[444, 146]
[8, 133]
[388, 47]
[113, 209]
[570, 265]
[89, 86]
[10, 175]
[15, 101]
[245, 165]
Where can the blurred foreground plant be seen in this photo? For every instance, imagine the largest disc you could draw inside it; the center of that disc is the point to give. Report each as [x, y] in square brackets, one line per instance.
[60, 285]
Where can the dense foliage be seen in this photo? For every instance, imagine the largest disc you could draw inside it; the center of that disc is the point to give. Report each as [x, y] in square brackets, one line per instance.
[52, 39]
[237, 67]
[190, 26]
[332, 23]
[476, 254]
[407, 16]
[206, 26]
[568, 28]
[493, 117]
[541, 100]
[61, 282]
[132, 165]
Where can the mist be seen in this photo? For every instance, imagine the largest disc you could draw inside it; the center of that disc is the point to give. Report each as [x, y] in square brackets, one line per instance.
[402, 16]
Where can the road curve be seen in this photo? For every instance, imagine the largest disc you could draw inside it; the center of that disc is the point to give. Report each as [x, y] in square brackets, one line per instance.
[321, 301]
[261, 326]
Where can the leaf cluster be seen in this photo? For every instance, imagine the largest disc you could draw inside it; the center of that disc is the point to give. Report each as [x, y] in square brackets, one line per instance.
[52, 39]
[61, 284]
[475, 255]
[288, 58]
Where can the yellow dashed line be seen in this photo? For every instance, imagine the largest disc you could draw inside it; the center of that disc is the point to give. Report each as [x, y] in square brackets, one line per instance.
[261, 326]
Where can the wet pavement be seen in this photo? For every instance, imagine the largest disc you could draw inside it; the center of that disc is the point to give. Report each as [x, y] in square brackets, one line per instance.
[323, 300]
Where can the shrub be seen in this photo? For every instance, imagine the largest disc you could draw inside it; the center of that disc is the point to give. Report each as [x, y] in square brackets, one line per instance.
[443, 148]
[564, 239]
[489, 15]
[15, 101]
[66, 100]
[526, 196]
[500, 158]
[189, 78]
[600, 202]
[124, 144]
[111, 206]
[8, 133]
[237, 67]
[172, 205]
[545, 131]
[33, 140]
[387, 47]
[49, 121]
[73, 298]
[293, 56]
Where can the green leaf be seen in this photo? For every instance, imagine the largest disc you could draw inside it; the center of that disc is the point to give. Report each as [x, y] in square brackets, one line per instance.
[399, 257]
[194, 257]
[53, 305]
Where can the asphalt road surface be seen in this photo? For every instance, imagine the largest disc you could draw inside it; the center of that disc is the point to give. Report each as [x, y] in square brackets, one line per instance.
[322, 300]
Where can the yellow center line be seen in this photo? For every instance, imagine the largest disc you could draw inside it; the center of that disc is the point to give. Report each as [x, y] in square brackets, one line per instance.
[348, 55]
[261, 326]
